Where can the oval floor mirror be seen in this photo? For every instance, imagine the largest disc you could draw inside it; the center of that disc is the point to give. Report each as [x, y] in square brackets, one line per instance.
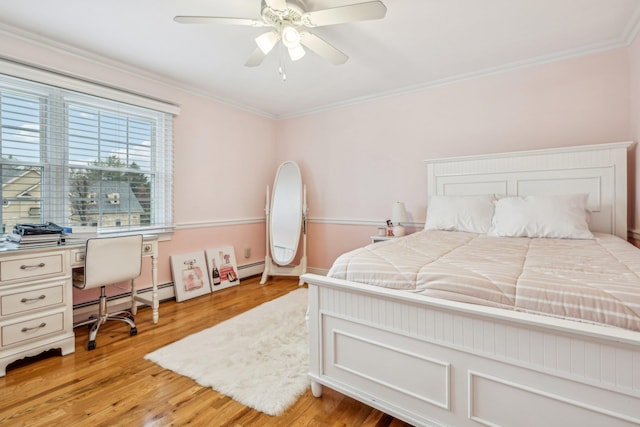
[286, 213]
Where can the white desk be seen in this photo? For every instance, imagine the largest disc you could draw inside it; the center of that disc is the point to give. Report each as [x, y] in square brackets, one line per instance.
[36, 303]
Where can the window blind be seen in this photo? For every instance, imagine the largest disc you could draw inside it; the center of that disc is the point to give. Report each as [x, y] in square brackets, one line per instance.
[81, 160]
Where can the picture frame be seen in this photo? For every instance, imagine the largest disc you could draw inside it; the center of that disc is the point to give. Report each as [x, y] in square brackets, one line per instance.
[190, 276]
[222, 267]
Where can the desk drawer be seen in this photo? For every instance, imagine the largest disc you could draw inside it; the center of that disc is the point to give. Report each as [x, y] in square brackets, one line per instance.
[29, 268]
[31, 300]
[30, 329]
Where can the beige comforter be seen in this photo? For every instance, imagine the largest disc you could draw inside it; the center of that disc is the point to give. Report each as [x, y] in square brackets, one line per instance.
[590, 280]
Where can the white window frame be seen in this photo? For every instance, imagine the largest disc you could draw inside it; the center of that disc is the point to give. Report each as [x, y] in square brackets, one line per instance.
[55, 184]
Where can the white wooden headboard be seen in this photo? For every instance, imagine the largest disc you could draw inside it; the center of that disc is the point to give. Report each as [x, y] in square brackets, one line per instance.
[599, 170]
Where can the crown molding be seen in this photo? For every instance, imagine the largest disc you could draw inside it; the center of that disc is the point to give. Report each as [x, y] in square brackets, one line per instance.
[629, 34]
[633, 27]
[517, 65]
[112, 64]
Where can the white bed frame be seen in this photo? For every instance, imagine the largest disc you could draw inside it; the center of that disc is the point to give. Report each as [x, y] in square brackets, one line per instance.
[435, 362]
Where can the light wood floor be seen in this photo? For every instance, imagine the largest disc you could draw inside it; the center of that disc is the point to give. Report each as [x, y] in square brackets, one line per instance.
[113, 385]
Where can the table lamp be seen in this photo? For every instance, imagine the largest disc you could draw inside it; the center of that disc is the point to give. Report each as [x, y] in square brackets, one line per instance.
[398, 216]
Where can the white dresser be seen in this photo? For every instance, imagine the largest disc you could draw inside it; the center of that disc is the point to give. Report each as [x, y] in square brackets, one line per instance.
[36, 305]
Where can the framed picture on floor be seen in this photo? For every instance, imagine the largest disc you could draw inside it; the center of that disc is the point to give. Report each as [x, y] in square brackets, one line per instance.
[190, 275]
[223, 269]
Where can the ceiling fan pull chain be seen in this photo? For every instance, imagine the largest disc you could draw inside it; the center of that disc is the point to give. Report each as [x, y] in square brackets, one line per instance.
[281, 67]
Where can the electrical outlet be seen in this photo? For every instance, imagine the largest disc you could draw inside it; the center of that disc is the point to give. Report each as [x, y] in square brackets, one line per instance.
[247, 252]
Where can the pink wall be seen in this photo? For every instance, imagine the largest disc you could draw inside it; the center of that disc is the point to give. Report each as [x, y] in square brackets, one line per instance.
[358, 160]
[327, 241]
[634, 72]
[223, 158]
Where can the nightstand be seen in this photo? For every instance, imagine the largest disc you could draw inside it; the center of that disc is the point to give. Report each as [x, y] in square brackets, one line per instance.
[377, 239]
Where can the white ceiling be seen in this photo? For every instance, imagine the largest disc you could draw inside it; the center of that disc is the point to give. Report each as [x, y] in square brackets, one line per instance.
[419, 43]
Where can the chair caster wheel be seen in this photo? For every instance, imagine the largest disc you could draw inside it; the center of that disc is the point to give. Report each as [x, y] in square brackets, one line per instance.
[133, 331]
[91, 345]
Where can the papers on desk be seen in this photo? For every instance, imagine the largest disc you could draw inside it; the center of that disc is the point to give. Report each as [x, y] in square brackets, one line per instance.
[78, 237]
[79, 234]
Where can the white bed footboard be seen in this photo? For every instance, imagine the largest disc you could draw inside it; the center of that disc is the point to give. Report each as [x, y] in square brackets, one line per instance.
[436, 362]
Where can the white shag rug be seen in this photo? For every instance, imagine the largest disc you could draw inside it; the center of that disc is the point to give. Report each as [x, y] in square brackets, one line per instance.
[259, 358]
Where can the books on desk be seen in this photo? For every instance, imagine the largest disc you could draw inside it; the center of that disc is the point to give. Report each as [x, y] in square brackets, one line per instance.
[34, 234]
[47, 234]
[33, 239]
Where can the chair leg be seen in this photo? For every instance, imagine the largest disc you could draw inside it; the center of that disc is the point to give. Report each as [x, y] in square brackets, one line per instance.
[94, 331]
[90, 321]
[134, 293]
[102, 318]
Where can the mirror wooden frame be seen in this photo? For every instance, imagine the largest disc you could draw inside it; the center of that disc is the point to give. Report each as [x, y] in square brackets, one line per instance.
[272, 268]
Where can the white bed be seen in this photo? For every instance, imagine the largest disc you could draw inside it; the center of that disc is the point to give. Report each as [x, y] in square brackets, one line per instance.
[430, 361]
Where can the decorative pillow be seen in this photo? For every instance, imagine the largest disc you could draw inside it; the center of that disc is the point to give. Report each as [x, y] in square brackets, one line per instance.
[460, 213]
[561, 216]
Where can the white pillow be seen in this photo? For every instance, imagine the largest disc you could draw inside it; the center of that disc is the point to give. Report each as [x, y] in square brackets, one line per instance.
[460, 213]
[561, 216]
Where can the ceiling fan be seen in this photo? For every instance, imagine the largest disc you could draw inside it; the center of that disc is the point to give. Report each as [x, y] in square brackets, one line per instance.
[288, 21]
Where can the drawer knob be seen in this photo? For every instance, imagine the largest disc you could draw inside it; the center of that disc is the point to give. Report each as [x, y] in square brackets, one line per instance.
[25, 267]
[40, 326]
[25, 300]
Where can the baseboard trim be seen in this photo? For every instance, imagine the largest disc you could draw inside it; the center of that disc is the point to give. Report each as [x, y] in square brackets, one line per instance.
[166, 292]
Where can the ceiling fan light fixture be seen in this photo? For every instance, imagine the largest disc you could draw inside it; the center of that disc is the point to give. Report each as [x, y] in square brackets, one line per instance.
[288, 20]
[296, 52]
[290, 37]
[267, 41]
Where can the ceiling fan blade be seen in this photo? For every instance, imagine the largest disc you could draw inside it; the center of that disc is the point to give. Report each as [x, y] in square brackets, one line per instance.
[255, 59]
[218, 20]
[342, 14]
[280, 5]
[322, 48]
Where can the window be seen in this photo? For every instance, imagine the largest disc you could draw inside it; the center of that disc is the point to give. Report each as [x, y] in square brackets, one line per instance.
[81, 160]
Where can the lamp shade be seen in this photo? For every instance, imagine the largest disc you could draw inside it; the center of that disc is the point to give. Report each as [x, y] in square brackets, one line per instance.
[296, 53]
[398, 213]
[290, 37]
[267, 41]
[398, 216]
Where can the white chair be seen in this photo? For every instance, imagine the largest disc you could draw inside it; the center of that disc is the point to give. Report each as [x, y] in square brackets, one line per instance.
[109, 260]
